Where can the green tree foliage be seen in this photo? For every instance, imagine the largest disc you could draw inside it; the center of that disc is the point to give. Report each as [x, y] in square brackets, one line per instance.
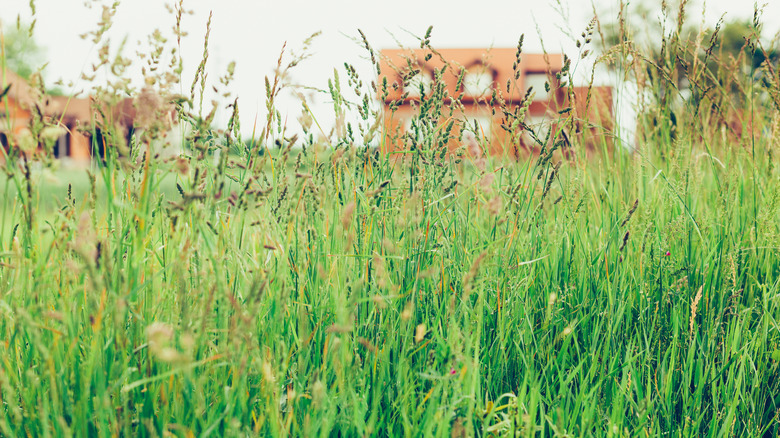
[682, 64]
[643, 24]
[21, 53]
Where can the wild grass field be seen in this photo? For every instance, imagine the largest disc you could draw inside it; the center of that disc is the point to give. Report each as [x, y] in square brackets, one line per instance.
[322, 288]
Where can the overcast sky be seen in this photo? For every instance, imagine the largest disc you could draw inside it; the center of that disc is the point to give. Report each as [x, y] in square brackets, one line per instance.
[252, 32]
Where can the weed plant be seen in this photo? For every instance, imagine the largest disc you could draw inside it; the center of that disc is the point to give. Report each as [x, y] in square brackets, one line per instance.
[307, 284]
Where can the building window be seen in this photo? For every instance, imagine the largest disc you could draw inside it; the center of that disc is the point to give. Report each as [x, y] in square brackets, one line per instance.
[420, 80]
[477, 83]
[540, 126]
[480, 125]
[62, 146]
[538, 81]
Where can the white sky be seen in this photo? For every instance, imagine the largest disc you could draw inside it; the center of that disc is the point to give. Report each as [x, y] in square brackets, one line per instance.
[251, 32]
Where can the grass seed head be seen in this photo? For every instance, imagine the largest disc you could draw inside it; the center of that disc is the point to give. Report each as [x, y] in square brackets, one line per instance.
[419, 333]
[694, 308]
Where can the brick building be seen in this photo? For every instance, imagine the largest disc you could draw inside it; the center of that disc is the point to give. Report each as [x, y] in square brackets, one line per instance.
[78, 119]
[486, 74]
[22, 100]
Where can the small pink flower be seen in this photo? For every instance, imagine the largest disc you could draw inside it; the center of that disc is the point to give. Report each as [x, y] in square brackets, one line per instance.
[453, 371]
[668, 253]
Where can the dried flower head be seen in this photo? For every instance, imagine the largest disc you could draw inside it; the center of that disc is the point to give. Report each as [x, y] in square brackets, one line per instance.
[419, 333]
[346, 216]
[694, 307]
[159, 337]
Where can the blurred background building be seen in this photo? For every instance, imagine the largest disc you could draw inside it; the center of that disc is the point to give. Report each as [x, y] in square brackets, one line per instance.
[488, 83]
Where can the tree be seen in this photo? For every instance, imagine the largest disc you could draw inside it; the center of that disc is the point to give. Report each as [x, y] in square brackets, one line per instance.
[712, 74]
[673, 44]
[20, 51]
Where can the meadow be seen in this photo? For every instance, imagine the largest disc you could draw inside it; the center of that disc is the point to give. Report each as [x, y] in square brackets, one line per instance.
[310, 285]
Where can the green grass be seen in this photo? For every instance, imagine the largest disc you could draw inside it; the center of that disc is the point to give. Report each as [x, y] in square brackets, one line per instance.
[331, 290]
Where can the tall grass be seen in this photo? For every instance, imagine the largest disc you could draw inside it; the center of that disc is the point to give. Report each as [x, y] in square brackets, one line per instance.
[309, 285]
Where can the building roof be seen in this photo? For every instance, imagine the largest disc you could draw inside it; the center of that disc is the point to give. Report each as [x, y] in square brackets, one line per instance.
[20, 91]
[69, 108]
